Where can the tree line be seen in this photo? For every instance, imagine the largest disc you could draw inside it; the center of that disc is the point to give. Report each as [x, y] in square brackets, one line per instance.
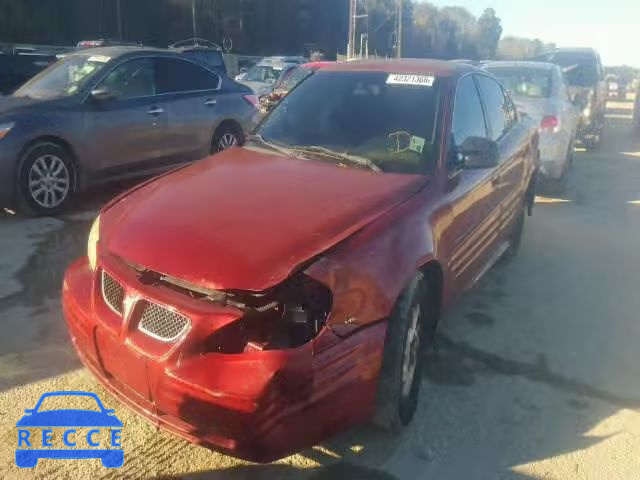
[266, 27]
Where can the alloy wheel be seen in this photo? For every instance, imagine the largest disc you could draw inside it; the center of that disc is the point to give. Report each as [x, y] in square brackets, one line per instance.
[227, 140]
[411, 351]
[49, 181]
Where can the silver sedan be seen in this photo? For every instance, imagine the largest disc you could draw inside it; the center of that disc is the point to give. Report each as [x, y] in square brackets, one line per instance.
[540, 91]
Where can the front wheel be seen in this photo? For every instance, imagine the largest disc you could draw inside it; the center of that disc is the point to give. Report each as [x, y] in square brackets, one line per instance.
[404, 351]
[47, 178]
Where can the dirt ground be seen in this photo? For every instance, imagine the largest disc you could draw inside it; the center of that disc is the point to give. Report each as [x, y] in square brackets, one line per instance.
[535, 375]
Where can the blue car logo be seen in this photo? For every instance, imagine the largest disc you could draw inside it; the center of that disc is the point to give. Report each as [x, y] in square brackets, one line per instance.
[27, 456]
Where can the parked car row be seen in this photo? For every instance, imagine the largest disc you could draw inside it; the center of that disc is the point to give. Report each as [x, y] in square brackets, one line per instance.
[236, 301]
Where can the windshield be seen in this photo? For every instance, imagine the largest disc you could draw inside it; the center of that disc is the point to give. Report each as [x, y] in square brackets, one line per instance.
[63, 79]
[293, 78]
[363, 114]
[580, 68]
[263, 73]
[524, 82]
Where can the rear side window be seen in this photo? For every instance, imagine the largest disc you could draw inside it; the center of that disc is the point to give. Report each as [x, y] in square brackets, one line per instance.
[211, 58]
[468, 117]
[497, 106]
[173, 76]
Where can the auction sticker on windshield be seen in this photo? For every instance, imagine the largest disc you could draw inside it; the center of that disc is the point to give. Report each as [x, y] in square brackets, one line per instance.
[406, 79]
[99, 58]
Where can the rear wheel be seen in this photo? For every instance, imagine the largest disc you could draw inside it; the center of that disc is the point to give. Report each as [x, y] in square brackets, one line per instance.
[515, 238]
[226, 136]
[404, 351]
[47, 179]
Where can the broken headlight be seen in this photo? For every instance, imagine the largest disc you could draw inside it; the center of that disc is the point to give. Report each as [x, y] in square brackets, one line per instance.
[287, 316]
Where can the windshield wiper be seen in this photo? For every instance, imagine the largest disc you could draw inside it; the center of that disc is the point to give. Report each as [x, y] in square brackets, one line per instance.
[353, 159]
[279, 148]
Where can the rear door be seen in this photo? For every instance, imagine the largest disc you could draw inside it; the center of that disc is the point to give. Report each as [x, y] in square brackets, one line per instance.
[129, 129]
[194, 106]
[508, 179]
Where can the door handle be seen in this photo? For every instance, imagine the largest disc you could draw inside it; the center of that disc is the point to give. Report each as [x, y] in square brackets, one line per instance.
[155, 111]
[496, 181]
[210, 102]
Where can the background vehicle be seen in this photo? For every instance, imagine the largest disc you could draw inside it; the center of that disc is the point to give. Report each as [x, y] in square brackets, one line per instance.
[289, 81]
[636, 107]
[615, 88]
[17, 68]
[104, 113]
[585, 74]
[203, 51]
[540, 91]
[106, 42]
[262, 77]
[425, 163]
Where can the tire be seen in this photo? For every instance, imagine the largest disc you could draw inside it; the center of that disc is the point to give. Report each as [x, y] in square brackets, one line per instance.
[226, 136]
[46, 179]
[515, 238]
[404, 351]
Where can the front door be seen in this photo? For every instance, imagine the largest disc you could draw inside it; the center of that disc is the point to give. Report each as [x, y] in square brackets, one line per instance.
[475, 205]
[127, 130]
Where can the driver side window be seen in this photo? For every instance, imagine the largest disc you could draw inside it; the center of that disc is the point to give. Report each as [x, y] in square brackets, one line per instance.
[131, 79]
[468, 116]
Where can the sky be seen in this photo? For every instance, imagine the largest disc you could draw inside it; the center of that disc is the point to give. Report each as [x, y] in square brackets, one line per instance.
[612, 27]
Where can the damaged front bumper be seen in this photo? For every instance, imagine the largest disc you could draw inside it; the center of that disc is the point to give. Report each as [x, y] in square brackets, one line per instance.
[259, 405]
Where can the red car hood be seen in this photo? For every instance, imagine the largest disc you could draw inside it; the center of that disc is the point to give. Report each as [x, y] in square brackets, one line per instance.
[246, 218]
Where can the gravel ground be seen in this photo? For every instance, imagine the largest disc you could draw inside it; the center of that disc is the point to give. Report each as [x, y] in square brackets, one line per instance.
[535, 374]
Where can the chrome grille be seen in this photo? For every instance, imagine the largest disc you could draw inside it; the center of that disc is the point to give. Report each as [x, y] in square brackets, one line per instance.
[112, 292]
[161, 323]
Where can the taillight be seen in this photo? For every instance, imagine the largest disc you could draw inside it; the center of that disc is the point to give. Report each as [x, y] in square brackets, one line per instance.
[550, 123]
[252, 100]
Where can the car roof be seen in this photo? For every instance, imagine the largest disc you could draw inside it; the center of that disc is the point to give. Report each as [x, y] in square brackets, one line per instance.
[440, 68]
[276, 64]
[571, 49]
[196, 48]
[521, 64]
[120, 50]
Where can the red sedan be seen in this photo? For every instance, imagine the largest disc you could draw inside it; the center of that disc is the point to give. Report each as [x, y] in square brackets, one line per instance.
[263, 299]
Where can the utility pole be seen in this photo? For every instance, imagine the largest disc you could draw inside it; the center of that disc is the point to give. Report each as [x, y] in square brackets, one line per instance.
[119, 14]
[351, 46]
[399, 30]
[193, 18]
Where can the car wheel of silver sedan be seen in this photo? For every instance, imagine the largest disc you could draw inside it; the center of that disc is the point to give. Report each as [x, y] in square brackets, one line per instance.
[47, 178]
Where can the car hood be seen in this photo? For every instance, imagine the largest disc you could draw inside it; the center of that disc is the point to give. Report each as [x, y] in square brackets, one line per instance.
[12, 105]
[69, 418]
[246, 218]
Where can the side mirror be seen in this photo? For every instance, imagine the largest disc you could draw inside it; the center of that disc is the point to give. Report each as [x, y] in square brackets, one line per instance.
[479, 152]
[102, 95]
